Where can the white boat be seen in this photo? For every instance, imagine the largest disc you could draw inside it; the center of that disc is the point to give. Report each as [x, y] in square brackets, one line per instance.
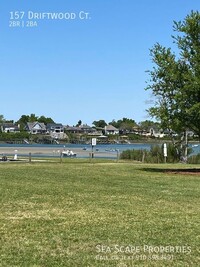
[69, 154]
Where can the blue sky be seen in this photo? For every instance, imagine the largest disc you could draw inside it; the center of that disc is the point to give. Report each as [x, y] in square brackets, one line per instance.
[87, 69]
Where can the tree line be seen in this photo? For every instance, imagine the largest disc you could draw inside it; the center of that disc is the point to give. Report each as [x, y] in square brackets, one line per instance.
[124, 123]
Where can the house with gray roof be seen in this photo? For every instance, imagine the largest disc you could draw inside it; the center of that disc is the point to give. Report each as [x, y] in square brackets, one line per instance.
[82, 129]
[87, 129]
[9, 127]
[110, 129]
[73, 129]
[35, 127]
[56, 130]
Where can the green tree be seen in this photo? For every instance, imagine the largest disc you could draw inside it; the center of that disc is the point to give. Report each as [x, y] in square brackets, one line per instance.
[79, 123]
[115, 123]
[2, 119]
[145, 125]
[45, 120]
[23, 121]
[99, 123]
[175, 79]
[127, 124]
[124, 124]
[33, 118]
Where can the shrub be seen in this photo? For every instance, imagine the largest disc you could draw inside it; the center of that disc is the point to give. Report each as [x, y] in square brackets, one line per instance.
[194, 159]
[154, 155]
[137, 155]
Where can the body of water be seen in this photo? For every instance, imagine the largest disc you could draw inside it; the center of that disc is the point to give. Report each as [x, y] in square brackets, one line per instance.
[82, 151]
[104, 147]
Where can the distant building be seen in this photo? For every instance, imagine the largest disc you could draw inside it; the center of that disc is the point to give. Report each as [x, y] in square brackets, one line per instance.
[110, 129]
[35, 127]
[56, 130]
[155, 132]
[9, 127]
[82, 129]
[74, 130]
[87, 129]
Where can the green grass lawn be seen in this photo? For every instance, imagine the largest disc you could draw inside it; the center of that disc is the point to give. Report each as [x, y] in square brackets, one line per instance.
[98, 214]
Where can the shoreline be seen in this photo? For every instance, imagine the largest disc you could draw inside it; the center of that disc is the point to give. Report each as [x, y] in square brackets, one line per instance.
[82, 151]
[52, 152]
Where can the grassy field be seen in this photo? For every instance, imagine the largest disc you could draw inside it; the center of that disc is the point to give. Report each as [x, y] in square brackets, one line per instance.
[98, 214]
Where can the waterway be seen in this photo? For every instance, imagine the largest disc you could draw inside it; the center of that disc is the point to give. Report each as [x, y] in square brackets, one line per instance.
[82, 151]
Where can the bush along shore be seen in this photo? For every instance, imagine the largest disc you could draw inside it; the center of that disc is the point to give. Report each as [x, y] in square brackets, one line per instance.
[156, 155]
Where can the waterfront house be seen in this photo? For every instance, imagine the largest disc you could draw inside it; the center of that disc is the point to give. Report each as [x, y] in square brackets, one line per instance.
[9, 127]
[82, 129]
[35, 127]
[56, 130]
[73, 129]
[155, 132]
[87, 129]
[110, 129]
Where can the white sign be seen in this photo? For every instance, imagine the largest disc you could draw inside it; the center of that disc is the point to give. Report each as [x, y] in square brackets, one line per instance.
[165, 150]
[15, 156]
[94, 141]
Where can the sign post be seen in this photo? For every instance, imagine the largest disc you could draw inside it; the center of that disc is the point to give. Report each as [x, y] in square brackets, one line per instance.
[165, 152]
[15, 156]
[94, 142]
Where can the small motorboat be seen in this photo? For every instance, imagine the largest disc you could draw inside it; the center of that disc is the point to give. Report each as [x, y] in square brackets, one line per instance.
[69, 154]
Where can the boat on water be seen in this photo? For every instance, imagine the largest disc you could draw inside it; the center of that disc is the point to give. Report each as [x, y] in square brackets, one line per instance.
[68, 153]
